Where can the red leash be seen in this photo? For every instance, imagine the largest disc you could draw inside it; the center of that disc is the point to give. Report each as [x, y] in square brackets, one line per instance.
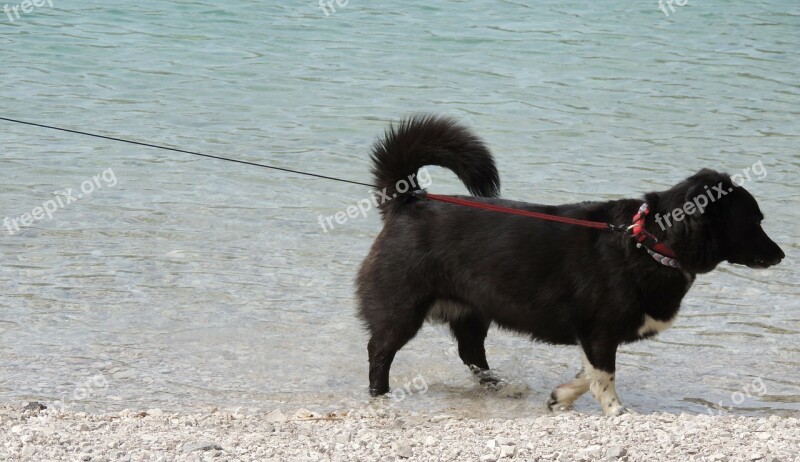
[524, 213]
[658, 250]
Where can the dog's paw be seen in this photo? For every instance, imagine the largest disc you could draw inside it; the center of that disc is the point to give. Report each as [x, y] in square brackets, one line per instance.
[559, 408]
[618, 411]
[374, 392]
[556, 406]
[495, 384]
[485, 377]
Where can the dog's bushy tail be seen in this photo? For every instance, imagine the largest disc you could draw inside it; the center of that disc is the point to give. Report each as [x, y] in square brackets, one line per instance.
[431, 140]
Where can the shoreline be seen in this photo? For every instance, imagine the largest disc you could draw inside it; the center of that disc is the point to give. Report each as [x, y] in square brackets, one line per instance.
[361, 434]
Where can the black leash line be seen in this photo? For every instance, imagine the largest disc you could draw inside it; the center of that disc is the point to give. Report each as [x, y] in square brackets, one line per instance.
[194, 153]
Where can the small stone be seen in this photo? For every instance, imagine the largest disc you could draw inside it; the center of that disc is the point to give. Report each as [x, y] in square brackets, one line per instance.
[507, 451]
[492, 444]
[35, 406]
[84, 427]
[304, 414]
[431, 441]
[404, 450]
[615, 452]
[189, 447]
[488, 458]
[123, 375]
[28, 452]
[276, 416]
[155, 413]
[593, 451]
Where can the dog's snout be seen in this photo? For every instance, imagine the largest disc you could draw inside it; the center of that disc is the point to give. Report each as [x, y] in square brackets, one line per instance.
[773, 257]
[778, 258]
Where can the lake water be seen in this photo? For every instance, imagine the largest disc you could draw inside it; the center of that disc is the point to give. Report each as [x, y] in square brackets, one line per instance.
[180, 282]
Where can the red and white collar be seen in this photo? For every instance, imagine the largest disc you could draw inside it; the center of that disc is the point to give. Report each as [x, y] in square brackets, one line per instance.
[658, 250]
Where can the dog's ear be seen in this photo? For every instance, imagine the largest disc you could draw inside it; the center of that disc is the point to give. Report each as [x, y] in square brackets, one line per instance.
[697, 201]
[701, 193]
[652, 200]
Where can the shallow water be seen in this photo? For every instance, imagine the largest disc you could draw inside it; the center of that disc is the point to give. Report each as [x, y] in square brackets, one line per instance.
[192, 282]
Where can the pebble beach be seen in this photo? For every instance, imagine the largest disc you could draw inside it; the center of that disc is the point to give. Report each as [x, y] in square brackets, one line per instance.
[30, 433]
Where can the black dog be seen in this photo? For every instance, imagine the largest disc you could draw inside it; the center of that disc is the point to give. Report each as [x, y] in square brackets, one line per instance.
[559, 283]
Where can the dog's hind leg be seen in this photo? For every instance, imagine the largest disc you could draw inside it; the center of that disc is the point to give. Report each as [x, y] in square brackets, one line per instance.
[388, 337]
[470, 332]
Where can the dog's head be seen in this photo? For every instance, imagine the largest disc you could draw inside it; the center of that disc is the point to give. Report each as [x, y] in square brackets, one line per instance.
[720, 221]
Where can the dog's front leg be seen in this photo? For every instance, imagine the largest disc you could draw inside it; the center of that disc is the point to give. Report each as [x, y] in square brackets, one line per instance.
[599, 369]
[564, 395]
[601, 384]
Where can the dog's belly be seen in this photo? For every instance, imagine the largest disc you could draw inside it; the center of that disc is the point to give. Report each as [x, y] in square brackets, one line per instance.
[552, 324]
[444, 310]
[542, 326]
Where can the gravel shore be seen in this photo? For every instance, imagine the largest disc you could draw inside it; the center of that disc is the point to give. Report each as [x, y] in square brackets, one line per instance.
[366, 435]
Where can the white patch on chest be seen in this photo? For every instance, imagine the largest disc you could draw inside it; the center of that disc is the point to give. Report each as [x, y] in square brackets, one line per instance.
[653, 326]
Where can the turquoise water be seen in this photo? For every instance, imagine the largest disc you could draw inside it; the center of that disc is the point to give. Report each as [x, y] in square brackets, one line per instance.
[189, 282]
